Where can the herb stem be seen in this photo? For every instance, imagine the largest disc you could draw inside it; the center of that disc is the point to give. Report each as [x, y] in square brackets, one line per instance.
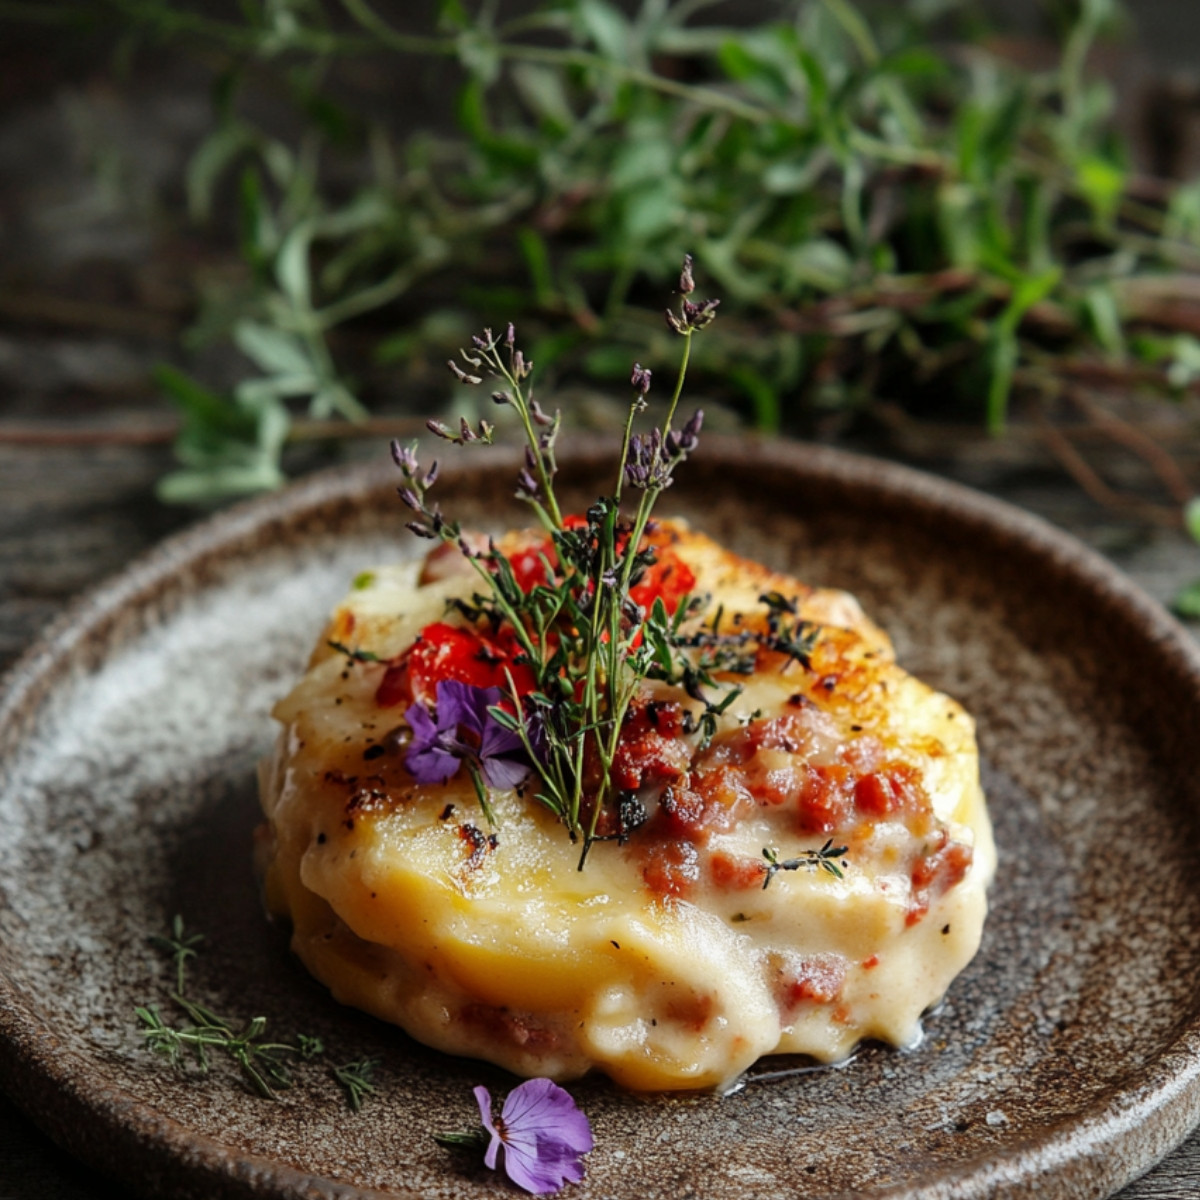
[679, 380]
[650, 495]
[578, 626]
[518, 625]
[633, 410]
[555, 521]
[407, 43]
[619, 698]
[266, 42]
[521, 402]
[557, 56]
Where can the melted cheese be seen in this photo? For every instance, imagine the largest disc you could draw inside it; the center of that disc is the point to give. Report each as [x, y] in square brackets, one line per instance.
[664, 963]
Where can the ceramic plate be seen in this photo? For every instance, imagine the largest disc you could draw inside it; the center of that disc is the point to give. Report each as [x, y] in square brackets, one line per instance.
[1063, 1062]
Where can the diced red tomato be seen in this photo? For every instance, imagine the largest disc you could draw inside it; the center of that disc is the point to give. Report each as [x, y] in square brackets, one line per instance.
[527, 566]
[393, 687]
[450, 652]
[670, 578]
[817, 980]
[825, 801]
[646, 754]
[696, 807]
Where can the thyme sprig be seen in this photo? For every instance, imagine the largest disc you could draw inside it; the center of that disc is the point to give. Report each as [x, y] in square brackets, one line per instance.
[180, 946]
[265, 1064]
[354, 653]
[356, 1078]
[690, 658]
[825, 859]
[787, 632]
[589, 644]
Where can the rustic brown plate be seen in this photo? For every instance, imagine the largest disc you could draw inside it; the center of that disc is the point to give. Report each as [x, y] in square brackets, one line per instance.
[1064, 1061]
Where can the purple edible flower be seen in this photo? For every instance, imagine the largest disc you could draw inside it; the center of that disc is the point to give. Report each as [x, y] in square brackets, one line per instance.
[462, 729]
[543, 1134]
[427, 760]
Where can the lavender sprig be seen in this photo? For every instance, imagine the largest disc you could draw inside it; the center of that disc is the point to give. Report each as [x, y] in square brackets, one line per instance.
[500, 359]
[580, 629]
[429, 522]
[465, 435]
[691, 317]
[655, 457]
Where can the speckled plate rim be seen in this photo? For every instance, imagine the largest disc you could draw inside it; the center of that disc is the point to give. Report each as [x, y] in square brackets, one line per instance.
[1092, 1153]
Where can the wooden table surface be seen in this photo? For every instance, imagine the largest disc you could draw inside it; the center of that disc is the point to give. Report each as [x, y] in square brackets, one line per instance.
[69, 517]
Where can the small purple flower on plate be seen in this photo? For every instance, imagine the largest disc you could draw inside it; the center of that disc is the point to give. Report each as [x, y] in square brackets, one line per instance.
[543, 1134]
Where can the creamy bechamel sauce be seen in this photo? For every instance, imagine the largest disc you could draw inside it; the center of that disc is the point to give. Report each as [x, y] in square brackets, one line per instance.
[665, 963]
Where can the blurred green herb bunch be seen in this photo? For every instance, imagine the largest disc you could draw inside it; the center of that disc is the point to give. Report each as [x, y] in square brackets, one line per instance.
[895, 205]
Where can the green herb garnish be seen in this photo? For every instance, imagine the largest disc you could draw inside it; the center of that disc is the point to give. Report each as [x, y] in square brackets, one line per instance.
[266, 1065]
[588, 643]
[262, 1062]
[825, 859]
[355, 1078]
[180, 947]
[354, 654]
[906, 221]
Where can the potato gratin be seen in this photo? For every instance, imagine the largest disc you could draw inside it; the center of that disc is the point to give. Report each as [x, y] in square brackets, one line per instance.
[665, 962]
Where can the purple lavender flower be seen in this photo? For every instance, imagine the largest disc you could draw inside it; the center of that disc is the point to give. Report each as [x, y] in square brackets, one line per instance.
[693, 316]
[462, 730]
[461, 375]
[543, 1134]
[528, 487]
[640, 379]
[647, 466]
[698, 316]
[685, 440]
[687, 283]
[405, 457]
